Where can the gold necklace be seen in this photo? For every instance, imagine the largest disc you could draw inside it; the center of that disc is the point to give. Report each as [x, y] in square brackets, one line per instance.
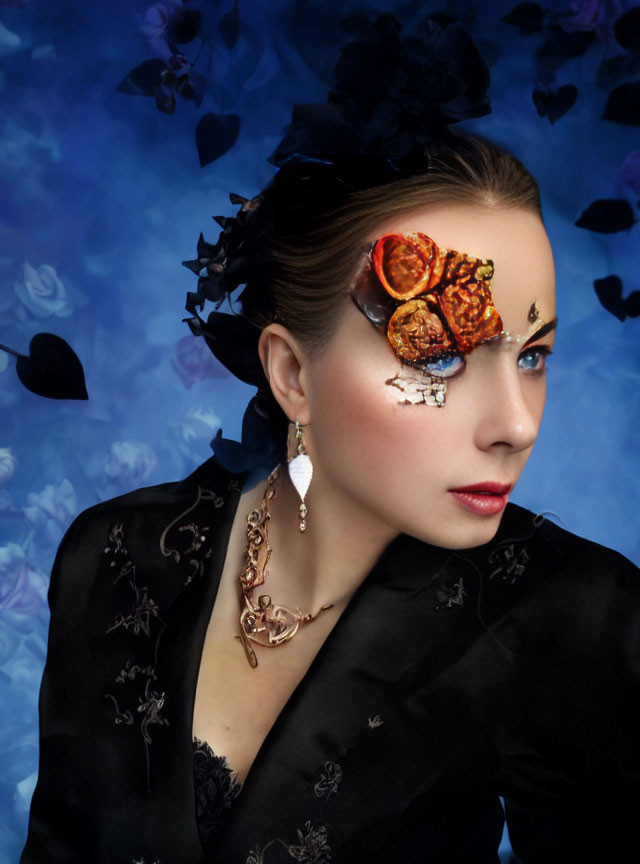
[264, 622]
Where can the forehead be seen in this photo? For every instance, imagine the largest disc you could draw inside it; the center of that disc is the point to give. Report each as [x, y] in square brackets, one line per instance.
[513, 238]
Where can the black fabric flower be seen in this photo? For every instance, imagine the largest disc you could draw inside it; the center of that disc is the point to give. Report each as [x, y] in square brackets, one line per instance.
[392, 93]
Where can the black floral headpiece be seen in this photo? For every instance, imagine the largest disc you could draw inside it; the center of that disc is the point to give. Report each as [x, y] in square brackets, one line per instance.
[394, 96]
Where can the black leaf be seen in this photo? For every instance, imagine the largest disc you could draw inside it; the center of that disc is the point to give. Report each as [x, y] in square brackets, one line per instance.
[627, 29]
[558, 48]
[188, 91]
[230, 454]
[554, 104]
[443, 19]
[211, 289]
[490, 51]
[234, 342]
[215, 134]
[195, 301]
[198, 84]
[142, 80]
[357, 26]
[632, 304]
[195, 266]
[205, 250]
[623, 105]
[51, 368]
[229, 27]
[613, 68]
[607, 216]
[165, 98]
[527, 18]
[609, 293]
[184, 27]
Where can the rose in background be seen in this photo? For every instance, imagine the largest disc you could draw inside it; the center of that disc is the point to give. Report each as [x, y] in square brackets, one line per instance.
[194, 434]
[193, 361]
[23, 627]
[7, 464]
[128, 465]
[629, 174]
[50, 512]
[154, 22]
[596, 15]
[42, 292]
[23, 590]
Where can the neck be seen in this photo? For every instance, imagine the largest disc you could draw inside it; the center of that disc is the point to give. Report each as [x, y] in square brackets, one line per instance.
[329, 560]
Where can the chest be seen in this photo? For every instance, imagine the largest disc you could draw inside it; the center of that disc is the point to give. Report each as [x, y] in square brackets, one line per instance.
[235, 704]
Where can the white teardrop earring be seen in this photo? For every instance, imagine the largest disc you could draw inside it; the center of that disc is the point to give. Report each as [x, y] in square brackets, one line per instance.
[301, 472]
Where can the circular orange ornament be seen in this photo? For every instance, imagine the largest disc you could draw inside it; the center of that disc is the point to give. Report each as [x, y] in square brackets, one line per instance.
[407, 264]
[416, 333]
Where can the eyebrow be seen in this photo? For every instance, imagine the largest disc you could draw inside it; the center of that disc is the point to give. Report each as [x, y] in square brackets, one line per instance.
[546, 328]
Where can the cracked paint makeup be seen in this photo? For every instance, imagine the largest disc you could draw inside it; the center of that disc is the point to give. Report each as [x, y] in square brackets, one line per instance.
[434, 305]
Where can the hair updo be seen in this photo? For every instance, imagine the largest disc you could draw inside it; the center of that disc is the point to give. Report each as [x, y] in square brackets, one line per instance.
[344, 168]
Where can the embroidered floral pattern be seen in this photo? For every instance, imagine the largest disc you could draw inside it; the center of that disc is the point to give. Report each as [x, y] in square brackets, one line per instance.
[198, 549]
[312, 847]
[137, 621]
[143, 610]
[329, 781]
[511, 564]
[451, 595]
[374, 722]
[187, 542]
[129, 672]
[150, 708]
[125, 717]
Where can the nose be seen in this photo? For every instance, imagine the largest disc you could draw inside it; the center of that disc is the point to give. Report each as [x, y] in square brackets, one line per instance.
[510, 406]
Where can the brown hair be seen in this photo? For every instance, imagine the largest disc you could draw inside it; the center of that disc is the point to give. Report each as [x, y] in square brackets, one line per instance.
[312, 271]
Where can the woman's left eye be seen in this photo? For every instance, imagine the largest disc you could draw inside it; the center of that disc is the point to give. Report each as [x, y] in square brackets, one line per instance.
[446, 366]
[534, 359]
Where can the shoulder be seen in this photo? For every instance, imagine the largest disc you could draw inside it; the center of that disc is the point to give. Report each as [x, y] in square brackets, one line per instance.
[210, 480]
[557, 590]
[149, 524]
[210, 475]
[551, 550]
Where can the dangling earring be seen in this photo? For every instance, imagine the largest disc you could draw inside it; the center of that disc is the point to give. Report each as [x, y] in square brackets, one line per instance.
[301, 472]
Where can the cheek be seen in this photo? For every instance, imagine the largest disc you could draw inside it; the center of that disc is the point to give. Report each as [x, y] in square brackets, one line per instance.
[363, 431]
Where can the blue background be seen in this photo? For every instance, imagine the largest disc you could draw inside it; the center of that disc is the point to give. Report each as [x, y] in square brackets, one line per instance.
[102, 196]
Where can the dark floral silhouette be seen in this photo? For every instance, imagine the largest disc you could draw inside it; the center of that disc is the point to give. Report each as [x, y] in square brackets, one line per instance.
[51, 368]
[607, 216]
[609, 293]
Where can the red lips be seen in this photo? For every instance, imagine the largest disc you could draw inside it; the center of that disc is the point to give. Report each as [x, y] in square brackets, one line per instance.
[489, 488]
[483, 499]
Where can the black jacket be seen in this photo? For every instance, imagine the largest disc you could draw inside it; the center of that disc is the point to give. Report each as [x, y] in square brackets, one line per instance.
[451, 680]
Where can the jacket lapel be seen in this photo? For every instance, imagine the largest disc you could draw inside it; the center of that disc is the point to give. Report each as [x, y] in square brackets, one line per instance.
[349, 742]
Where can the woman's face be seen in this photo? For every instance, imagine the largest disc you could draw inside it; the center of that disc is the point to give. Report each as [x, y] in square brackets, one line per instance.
[400, 462]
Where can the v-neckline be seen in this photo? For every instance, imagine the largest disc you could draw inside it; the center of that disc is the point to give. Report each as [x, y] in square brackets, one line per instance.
[329, 640]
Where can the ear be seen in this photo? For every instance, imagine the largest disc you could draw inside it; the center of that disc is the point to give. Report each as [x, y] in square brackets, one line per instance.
[284, 363]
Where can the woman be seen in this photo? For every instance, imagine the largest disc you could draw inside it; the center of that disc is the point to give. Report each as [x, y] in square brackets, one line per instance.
[357, 670]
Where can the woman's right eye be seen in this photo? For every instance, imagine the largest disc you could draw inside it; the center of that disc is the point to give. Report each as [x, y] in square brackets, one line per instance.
[444, 367]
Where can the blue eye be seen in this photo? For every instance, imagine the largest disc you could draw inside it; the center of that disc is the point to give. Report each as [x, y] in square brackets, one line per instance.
[534, 359]
[444, 367]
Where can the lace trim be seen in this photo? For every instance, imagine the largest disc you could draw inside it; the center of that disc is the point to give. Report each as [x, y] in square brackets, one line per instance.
[216, 786]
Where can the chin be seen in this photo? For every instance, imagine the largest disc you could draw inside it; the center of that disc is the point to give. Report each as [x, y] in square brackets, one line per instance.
[464, 535]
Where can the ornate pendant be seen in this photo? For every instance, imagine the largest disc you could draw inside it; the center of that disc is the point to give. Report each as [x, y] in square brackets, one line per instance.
[268, 624]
